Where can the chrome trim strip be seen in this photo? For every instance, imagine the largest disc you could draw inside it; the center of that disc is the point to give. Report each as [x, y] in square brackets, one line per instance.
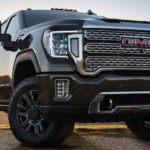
[118, 109]
[95, 104]
[82, 71]
[78, 60]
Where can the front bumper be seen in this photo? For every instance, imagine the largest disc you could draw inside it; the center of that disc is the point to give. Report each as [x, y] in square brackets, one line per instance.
[83, 90]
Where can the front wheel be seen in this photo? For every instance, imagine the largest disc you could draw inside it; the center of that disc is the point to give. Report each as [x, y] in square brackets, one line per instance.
[27, 122]
[141, 128]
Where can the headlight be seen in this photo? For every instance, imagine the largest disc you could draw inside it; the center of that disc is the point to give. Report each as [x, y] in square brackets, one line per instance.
[56, 42]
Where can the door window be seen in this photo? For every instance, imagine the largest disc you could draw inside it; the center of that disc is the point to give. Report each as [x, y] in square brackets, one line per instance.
[13, 27]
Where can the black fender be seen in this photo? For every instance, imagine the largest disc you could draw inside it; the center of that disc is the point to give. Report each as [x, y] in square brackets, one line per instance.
[25, 55]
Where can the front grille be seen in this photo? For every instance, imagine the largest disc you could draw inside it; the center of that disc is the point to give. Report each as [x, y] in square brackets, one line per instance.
[103, 49]
[114, 35]
[114, 48]
[95, 62]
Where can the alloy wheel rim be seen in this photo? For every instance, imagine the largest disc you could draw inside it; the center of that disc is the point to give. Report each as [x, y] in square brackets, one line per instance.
[29, 116]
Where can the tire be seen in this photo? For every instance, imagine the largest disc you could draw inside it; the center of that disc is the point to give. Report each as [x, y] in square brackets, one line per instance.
[26, 120]
[141, 128]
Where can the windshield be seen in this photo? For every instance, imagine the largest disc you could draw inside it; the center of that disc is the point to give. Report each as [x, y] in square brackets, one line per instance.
[41, 16]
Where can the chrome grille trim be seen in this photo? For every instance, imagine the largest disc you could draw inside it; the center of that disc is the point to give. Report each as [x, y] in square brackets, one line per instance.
[93, 63]
[113, 35]
[103, 51]
[114, 48]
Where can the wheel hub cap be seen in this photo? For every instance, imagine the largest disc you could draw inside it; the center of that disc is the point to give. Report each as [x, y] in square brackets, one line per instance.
[34, 114]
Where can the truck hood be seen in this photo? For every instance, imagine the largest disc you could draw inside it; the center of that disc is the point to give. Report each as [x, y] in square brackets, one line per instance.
[117, 24]
[93, 23]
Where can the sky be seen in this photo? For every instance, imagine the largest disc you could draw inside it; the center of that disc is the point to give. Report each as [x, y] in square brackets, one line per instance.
[123, 9]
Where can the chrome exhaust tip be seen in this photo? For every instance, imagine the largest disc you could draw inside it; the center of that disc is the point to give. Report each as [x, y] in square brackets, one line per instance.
[107, 104]
[110, 104]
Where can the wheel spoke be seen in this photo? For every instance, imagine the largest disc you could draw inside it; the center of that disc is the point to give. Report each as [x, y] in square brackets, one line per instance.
[32, 98]
[27, 99]
[28, 126]
[24, 124]
[20, 106]
[36, 129]
[22, 114]
[40, 126]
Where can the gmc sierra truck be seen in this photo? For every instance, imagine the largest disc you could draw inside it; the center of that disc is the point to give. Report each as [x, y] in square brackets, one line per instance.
[60, 66]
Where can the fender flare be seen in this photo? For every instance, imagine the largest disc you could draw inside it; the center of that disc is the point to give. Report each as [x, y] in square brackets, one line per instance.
[26, 55]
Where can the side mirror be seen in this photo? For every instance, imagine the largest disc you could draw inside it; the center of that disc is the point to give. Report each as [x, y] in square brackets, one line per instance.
[20, 44]
[5, 37]
[6, 42]
[13, 46]
[10, 46]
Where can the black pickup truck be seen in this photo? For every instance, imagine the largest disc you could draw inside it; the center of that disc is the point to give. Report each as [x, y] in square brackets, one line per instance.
[60, 66]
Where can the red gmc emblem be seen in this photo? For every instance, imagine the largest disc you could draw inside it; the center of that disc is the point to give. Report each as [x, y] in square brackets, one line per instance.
[135, 42]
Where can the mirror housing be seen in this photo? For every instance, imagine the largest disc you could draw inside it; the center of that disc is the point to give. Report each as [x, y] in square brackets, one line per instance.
[5, 37]
[10, 46]
[13, 46]
[6, 41]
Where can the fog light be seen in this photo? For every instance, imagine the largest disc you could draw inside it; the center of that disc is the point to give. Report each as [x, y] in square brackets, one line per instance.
[61, 88]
